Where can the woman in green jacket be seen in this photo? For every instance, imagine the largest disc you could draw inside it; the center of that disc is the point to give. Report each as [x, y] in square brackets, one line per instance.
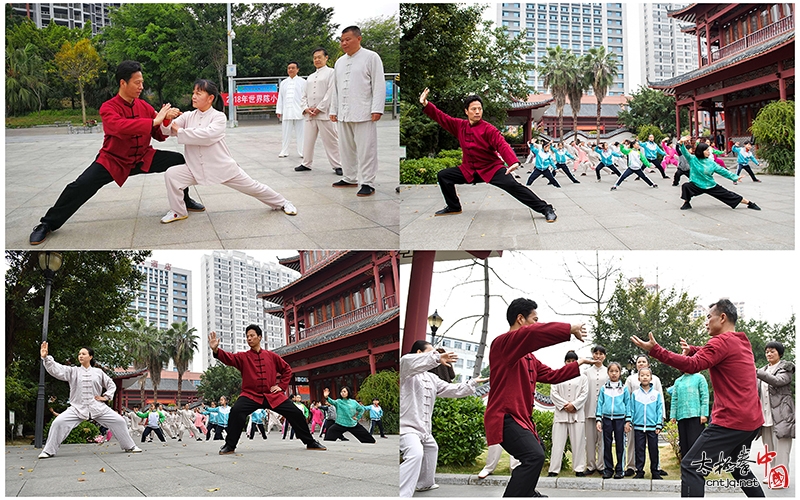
[689, 408]
[348, 412]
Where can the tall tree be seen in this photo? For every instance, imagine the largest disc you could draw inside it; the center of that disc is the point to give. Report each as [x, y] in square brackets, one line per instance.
[382, 35]
[182, 343]
[139, 329]
[577, 85]
[603, 67]
[25, 79]
[151, 351]
[79, 64]
[647, 106]
[557, 69]
[220, 380]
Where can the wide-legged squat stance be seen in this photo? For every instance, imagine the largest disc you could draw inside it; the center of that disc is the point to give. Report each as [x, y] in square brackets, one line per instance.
[129, 123]
[651, 151]
[606, 159]
[636, 164]
[316, 102]
[744, 156]
[561, 154]
[545, 162]
[261, 388]
[89, 389]
[701, 178]
[481, 143]
[348, 413]
[208, 159]
[419, 389]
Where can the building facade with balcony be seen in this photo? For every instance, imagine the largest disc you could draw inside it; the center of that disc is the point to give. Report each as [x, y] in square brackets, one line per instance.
[71, 15]
[165, 296]
[746, 61]
[341, 317]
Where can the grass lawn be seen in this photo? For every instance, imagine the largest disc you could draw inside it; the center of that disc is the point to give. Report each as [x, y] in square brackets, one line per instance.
[49, 117]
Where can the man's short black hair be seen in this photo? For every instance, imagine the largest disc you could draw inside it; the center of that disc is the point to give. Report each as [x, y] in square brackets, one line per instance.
[320, 49]
[296, 64]
[777, 346]
[519, 306]
[355, 30]
[126, 69]
[255, 328]
[727, 307]
[419, 345]
[598, 348]
[472, 98]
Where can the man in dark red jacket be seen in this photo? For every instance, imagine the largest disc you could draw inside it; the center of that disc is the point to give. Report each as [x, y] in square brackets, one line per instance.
[128, 124]
[736, 416]
[514, 373]
[261, 388]
[481, 143]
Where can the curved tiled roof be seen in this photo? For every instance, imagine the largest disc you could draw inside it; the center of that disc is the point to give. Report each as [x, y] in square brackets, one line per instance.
[516, 105]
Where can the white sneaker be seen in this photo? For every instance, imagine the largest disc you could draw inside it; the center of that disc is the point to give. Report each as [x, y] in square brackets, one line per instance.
[428, 488]
[283, 155]
[172, 216]
[289, 209]
[44, 454]
[135, 449]
[483, 474]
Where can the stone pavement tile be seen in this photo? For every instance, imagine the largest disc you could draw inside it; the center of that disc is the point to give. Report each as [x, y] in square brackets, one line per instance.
[115, 234]
[58, 483]
[150, 231]
[100, 211]
[382, 212]
[330, 218]
[672, 486]
[595, 239]
[627, 484]
[237, 225]
[286, 241]
[366, 238]
[580, 483]
[641, 238]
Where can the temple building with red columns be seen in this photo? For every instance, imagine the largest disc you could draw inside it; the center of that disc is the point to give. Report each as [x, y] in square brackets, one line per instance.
[341, 317]
[746, 58]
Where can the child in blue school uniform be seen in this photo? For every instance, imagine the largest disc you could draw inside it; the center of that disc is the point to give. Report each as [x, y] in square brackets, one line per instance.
[646, 410]
[613, 419]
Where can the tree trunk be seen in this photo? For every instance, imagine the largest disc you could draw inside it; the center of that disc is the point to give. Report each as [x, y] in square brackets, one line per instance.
[599, 107]
[142, 381]
[180, 381]
[83, 104]
[476, 370]
[561, 123]
[574, 125]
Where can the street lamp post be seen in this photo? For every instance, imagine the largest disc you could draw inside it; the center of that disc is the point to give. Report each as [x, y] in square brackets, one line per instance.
[49, 262]
[434, 321]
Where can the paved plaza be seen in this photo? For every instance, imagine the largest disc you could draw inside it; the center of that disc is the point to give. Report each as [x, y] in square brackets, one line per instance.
[40, 162]
[590, 216]
[275, 467]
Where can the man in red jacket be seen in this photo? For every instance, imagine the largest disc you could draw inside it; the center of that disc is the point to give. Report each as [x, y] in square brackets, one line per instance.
[260, 370]
[736, 416]
[515, 371]
[129, 123]
[481, 143]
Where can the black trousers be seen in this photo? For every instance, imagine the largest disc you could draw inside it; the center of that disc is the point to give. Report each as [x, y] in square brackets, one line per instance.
[614, 430]
[639, 172]
[690, 189]
[79, 191]
[210, 430]
[660, 167]
[600, 167]
[713, 441]
[286, 428]
[547, 175]
[218, 432]
[747, 169]
[336, 431]
[327, 425]
[523, 445]
[376, 423]
[244, 406]
[157, 430]
[449, 177]
[563, 166]
[689, 430]
[650, 438]
[678, 174]
[260, 428]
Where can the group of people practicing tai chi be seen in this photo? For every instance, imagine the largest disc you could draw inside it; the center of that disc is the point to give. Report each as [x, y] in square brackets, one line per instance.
[487, 157]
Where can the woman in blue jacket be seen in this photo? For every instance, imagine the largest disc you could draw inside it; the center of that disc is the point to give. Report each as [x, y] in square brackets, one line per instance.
[606, 159]
[545, 160]
[561, 155]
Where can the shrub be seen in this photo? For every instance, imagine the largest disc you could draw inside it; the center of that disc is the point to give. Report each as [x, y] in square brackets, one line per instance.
[544, 428]
[385, 386]
[459, 423]
[424, 170]
[670, 433]
[84, 433]
[773, 131]
[645, 130]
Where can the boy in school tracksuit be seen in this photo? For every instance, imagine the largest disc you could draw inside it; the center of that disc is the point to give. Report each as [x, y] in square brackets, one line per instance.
[646, 410]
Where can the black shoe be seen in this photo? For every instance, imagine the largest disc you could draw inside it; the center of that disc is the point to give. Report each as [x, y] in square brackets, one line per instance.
[226, 451]
[448, 211]
[674, 184]
[552, 474]
[686, 206]
[343, 184]
[619, 475]
[344, 439]
[654, 186]
[538, 495]
[301, 168]
[657, 475]
[580, 474]
[607, 475]
[638, 475]
[192, 205]
[316, 446]
[630, 472]
[753, 206]
[40, 233]
[589, 472]
[613, 188]
[338, 171]
[365, 191]
[550, 215]
[662, 472]
[576, 182]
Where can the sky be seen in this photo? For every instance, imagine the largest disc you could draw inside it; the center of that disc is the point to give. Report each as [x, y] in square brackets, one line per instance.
[752, 277]
[349, 13]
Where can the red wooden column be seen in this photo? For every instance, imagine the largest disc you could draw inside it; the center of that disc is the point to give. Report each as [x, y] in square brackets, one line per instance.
[419, 296]
[377, 279]
[371, 357]
[781, 81]
[395, 275]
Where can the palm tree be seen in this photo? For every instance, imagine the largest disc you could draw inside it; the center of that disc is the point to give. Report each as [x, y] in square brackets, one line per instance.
[603, 68]
[181, 347]
[25, 79]
[149, 352]
[141, 329]
[555, 69]
[577, 86]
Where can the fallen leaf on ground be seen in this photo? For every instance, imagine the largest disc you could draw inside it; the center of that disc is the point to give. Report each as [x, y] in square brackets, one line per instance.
[213, 489]
[83, 473]
[20, 473]
[324, 472]
[30, 470]
[102, 469]
[81, 479]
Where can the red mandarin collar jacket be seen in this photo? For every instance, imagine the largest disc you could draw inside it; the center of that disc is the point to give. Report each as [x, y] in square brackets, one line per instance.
[480, 145]
[515, 371]
[128, 128]
[260, 372]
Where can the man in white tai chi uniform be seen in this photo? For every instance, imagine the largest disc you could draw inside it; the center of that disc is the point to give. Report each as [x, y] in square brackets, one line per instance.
[289, 110]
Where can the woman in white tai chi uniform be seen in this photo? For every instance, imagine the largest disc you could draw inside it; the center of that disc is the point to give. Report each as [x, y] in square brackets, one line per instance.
[418, 391]
[89, 389]
[208, 160]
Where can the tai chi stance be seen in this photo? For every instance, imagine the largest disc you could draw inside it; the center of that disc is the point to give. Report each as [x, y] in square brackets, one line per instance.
[348, 413]
[89, 390]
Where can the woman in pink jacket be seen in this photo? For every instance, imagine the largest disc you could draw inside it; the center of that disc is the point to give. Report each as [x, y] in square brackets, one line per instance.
[317, 417]
[671, 157]
[200, 421]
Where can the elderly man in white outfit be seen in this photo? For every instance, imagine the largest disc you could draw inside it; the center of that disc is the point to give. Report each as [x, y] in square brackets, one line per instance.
[208, 160]
[289, 109]
[597, 376]
[316, 102]
[135, 424]
[419, 389]
[358, 102]
[89, 389]
[569, 399]
[632, 384]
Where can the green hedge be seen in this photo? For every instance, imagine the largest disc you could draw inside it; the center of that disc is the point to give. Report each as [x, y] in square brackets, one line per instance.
[458, 428]
[773, 131]
[84, 433]
[385, 386]
[425, 170]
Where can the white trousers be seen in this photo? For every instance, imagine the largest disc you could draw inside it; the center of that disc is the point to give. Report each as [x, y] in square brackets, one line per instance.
[594, 444]
[181, 177]
[68, 419]
[783, 447]
[326, 129]
[493, 458]
[419, 463]
[576, 432]
[287, 127]
[358, 143]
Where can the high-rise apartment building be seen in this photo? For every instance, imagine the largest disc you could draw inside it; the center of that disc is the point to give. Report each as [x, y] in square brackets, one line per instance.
[231, 283]
[165, 296]
[71, 15]
[667, 51]
[575, 26]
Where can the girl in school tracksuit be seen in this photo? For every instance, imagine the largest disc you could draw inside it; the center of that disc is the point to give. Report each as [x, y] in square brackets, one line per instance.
[743, 157]
[606, 159]
[561, 155]
[647, 409]
[544, 162]
[652, 150]
[636, 163]
[613, 419]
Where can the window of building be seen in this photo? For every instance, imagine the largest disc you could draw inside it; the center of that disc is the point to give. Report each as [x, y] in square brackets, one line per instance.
[460, 363]
[470, 364]
[445, 343]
